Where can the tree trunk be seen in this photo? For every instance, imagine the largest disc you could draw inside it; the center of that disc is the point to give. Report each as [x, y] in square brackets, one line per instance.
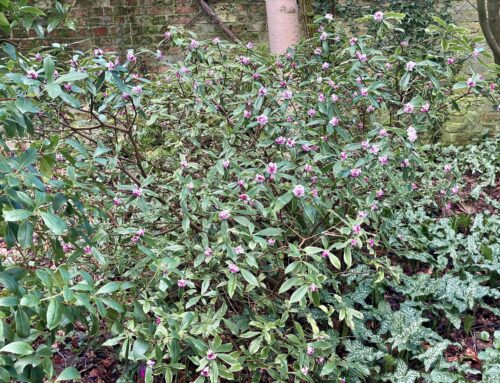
[489, 19]
[306, 18]
[282, 24]
[494, 21]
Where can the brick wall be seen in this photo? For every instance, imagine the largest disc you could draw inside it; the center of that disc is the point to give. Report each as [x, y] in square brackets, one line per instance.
[123, 24]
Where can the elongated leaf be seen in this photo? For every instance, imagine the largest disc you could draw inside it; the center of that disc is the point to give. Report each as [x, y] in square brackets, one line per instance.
[54, 223]
[19, 348]
[16, 215]
[269, 232]
[25, 234]
[54, 313]
[249, 277]
[71, 77]
[299, 294]
[288, 284]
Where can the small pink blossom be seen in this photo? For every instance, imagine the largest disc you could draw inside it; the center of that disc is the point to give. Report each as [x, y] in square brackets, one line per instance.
[226, 163]
[355, 172]
[32, 74]
[412, 134]
[299, 191]
[211, 355]
[272, 168]
[383, 133]
[383, 160]
[325, 254]
[182, 283]
[233, 268]
[137, 192]
[378, 16]
[343, 156]
[262, 119]
[335, 98]
[425, 108]
[259, 178]
[310, 350]
[262, 91]
[313, 287]
[208, 252]
[334, 121]
[206, 371]
[408, 108]
[471, 83]
[410, 65]
[447, 168]
[224, 215]
[239, 250]
[87, 250]
[287, 94]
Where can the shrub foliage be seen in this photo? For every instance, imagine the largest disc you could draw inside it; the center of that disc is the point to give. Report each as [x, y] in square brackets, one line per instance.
[243, 216]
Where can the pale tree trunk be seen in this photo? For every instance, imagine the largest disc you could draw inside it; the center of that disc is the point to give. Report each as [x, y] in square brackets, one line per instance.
[283, 24]
[489, 19]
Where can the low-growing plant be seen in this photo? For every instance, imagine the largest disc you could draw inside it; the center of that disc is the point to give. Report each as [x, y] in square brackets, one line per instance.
[241, 215]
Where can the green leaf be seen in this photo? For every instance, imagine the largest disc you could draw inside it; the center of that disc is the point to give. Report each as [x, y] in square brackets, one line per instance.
[335, 261]
[22, 323]
[25, 234]
[28, 157]
[4, 23]
[55, 224]
[269, 232]
[54, 313]
[231, 285]
[347, 257]
[9, 302]
[288, 284]
[299, 294]
[25, 105]
[19, 348]
[250, 278]
[53, 90]
[282, 201]
[69, 373]
[71, 77]
[149, 375]
[16, 215]
[109, 288]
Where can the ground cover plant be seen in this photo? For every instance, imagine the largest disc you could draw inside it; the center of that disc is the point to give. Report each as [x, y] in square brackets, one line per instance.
[245, 217]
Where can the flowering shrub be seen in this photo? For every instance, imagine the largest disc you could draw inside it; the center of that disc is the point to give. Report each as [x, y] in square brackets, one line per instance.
[237, 216]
